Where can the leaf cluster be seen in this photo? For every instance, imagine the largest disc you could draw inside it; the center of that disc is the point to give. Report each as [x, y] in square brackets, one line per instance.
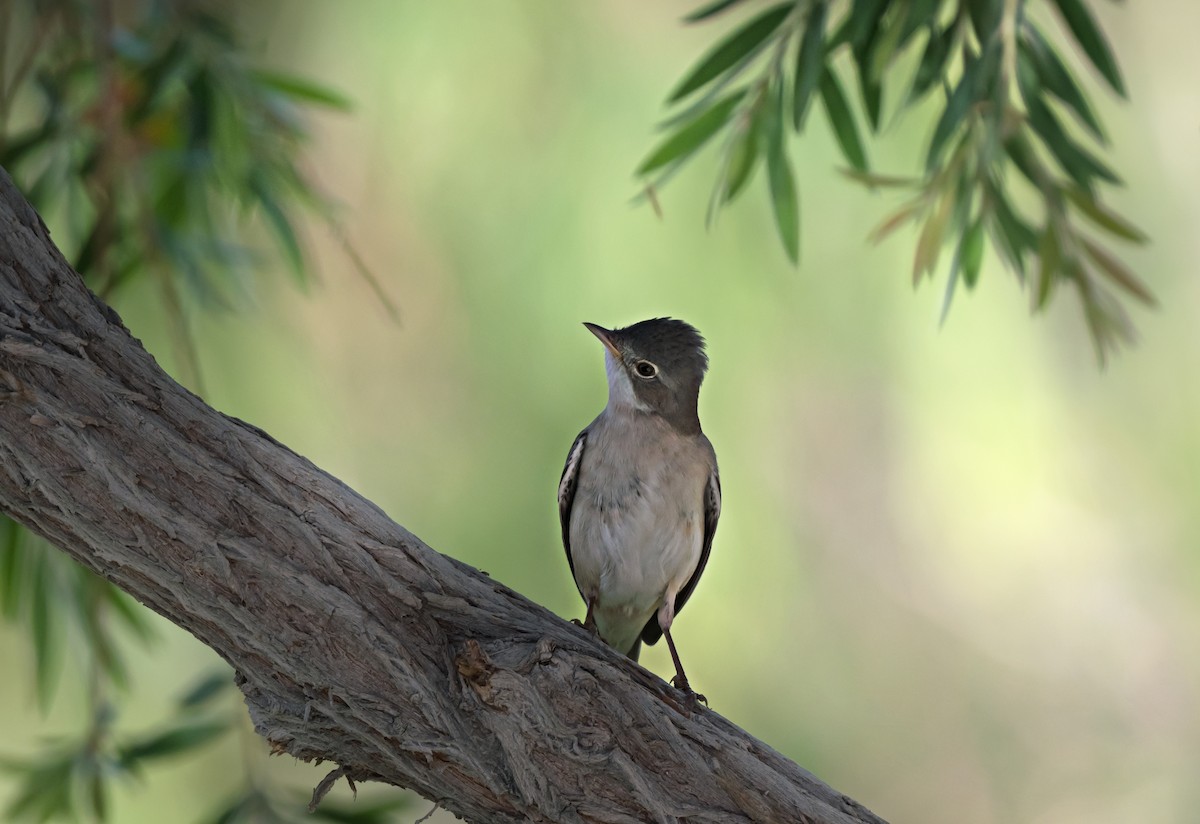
[155, 144]
[1015, 133]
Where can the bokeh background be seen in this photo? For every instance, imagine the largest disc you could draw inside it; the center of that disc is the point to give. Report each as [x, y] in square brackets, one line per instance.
[958, 571]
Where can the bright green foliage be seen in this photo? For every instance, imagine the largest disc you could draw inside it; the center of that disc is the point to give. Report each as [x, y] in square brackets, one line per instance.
[1005, 91]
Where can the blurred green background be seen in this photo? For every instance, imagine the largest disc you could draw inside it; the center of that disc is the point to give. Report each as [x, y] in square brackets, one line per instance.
[956, 574]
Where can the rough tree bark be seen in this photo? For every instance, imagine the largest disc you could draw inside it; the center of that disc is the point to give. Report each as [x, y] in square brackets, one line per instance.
[353, 642]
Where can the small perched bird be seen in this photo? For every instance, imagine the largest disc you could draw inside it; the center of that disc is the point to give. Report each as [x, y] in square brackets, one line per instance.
[640, 494]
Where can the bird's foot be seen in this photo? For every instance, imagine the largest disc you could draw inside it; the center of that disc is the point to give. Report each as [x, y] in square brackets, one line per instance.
[589, 625]
[691, 699]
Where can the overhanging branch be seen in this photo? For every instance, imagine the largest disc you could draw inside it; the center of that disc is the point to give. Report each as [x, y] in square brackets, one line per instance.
[353, 641]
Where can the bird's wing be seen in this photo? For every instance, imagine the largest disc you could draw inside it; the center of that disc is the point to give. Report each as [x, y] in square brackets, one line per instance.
[566, 494]
[712, 511]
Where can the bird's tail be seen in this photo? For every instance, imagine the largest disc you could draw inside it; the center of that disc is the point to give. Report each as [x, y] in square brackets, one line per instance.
[636, 650]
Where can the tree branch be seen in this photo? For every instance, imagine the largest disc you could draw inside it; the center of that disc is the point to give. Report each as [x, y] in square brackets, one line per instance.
[353, 642]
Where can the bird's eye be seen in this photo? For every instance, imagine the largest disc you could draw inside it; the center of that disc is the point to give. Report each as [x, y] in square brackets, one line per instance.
[646, 369]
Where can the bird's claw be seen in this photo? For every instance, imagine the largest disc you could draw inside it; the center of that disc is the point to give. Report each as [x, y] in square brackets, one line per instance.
[691, 699]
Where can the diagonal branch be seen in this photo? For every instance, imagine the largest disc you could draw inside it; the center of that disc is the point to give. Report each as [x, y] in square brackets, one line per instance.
[353, 642]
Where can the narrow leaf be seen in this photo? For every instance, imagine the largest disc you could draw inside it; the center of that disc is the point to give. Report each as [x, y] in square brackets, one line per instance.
[972, 253]
[1102, 217]
[894, 221]
[692, 136]
[957, 103]
[303, 90]
[933, 61]
[205, 690]
[1049, 264]
[785, 204]
[809, 60]
[1076, 161]
[880, 181]
[711, 10]
[743, 156]
[172, 742]
[1091, 39]
[746, 40]
[1056, 78]
[929, 245]
[842, 121]
[1012, 235]
[1118, 273]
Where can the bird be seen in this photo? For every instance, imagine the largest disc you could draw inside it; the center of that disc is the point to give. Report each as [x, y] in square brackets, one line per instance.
[640, 493]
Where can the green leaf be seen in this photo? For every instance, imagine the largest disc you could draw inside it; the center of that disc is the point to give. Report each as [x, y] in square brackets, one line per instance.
[11, 556]
[172, 742]
[1013, 235]
[746, 40]
[1049, 265]
[877, 181]
[711, 10]
[957, 104]
[863, 21]
[306, 91]
[1104, 218]
[1092, 40]
[1076, 161]
[809, 60]
[743, 155]
[1118, 273]
[894, 221]
[785, 204]
[691, 136]
[842, 121]
[972, 253]
[279, 221]
[929, 244]
[205, 690]
[1055, 78]
[933, 62]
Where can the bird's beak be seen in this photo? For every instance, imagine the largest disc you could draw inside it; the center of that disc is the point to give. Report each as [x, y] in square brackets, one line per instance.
[605, 336]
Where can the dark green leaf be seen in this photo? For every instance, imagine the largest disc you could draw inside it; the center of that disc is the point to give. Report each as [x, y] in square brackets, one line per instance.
[711, 10]
[1055, 78]
[1118, 273]
[1013, 235]
[985, 18]
[280, 223]
[863, 20]
[876, 181]
[11, 566]
[1104, 218]
[933, 62]
[842, 121]
[809, 61]
[171, 742]
[1077, 162]
[304, 91]
[785, 203]
[1091, 39]
[1049, 265]
[205, 690]
[872, 97]
[1021, 153]
[972, 253]
[957, 104]
[380, 813]
[44, 628]
[743, 156]
[747, 40]
[691, 136]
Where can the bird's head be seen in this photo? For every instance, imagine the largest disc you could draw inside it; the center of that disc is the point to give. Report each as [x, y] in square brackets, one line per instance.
[655, 366]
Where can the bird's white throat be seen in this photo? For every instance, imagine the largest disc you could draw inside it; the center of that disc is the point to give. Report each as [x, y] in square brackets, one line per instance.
[620, 389]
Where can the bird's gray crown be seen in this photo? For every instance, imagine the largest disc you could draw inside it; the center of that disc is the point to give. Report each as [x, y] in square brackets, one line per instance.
[663, 362]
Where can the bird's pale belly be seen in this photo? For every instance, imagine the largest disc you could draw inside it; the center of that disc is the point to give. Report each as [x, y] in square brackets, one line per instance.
[632, 547]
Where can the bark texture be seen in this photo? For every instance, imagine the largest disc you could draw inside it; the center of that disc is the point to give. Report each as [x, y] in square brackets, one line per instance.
[353, 641]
